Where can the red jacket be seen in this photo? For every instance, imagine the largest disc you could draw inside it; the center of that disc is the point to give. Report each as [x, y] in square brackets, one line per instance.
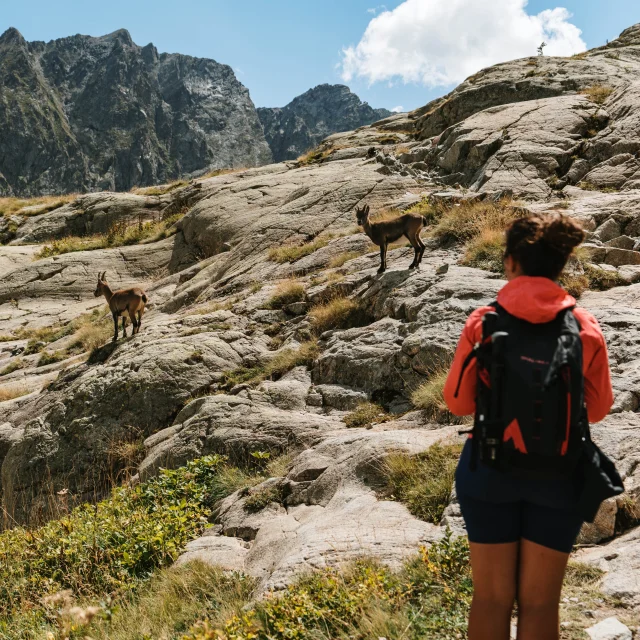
[535, 300]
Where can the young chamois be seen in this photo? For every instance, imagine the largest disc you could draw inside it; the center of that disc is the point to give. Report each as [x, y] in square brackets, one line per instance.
[382, 233]
[130, 300]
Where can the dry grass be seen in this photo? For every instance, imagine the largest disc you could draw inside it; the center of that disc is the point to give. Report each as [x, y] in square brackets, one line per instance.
[466, 221]
[213, 306]
[429, 397]
[581, 276]
[486, 250]
[598, 93]
[120, 234]
[161, 189]
[16, 365]
[287, 292]
[342, 258]
[42, 204]
[292, 252]
[221, 172]
[12, 392]
[580, 56]
[338, 313]
[282, 362]
[175, 599]
[365, 415]
[315, 156]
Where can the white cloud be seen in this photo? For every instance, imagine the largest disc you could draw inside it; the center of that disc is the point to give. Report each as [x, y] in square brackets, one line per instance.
[399, 109]
[373, 10]
[441, 42]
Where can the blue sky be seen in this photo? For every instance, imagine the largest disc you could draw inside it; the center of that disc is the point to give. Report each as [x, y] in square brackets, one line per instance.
[281, 48]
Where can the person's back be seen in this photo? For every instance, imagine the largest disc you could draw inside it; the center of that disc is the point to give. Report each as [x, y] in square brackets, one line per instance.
[522, 521]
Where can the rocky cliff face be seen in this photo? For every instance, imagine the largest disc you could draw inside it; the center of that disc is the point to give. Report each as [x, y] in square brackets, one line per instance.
[83, 113]
[311, 117]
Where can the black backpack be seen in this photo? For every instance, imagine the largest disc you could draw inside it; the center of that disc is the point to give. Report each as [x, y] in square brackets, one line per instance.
[530, 410]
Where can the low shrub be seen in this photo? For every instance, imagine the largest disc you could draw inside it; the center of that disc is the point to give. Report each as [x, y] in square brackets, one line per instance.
[366, 414]
[109, 547]
[261, 498]
[423, 482]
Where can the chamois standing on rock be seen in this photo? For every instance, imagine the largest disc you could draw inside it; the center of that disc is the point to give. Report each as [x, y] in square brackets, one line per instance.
[132, 301]
[382, 233]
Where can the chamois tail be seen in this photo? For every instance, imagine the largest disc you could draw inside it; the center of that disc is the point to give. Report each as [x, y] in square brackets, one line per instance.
[144, 298]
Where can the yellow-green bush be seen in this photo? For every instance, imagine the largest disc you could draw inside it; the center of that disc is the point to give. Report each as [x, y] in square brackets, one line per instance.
[109, 547]
[429, 597]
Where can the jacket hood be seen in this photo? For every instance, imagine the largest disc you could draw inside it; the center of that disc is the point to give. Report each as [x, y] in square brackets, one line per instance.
[535, 300]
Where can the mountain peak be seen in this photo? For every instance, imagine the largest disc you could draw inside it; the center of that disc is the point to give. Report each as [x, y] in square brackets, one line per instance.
[12, 35]
[120, 34]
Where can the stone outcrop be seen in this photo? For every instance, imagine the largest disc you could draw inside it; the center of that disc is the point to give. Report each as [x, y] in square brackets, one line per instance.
[312, 116]
[106, 114]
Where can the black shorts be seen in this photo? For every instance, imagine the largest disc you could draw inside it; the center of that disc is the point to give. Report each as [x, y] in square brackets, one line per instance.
[496, 523]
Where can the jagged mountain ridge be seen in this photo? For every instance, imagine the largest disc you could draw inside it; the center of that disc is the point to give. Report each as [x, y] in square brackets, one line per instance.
[309, 118]
[84, 113]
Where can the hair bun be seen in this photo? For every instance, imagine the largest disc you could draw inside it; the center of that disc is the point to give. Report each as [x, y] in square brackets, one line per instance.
[561, 232]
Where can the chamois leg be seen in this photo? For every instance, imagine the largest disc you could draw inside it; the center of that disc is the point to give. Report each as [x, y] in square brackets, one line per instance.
[115, 326]
[422, 248]
[139, 320]
[124, 330]
[134, 322]
[383, 257]
[416, 251]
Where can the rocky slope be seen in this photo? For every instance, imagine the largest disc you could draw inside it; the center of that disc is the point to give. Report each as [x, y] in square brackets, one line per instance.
[84, 113]
[312, 116]
[210, 286]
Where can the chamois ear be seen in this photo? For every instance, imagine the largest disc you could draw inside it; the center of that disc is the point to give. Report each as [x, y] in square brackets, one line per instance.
[103, 276]
[366, 210]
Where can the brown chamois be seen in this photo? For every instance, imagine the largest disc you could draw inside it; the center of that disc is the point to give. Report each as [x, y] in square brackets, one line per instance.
[132, 301]
[382, 233]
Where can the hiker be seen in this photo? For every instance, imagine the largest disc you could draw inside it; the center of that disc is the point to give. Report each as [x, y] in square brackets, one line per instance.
[526, 366]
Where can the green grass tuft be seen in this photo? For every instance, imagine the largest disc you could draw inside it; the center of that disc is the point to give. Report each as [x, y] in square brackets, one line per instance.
[423, 482]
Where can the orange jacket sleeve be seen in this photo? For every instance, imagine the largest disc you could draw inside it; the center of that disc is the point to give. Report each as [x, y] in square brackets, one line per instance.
[465, 403]
[598, 393]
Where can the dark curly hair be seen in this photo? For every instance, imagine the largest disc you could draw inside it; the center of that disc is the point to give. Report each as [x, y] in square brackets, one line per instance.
[542, 244]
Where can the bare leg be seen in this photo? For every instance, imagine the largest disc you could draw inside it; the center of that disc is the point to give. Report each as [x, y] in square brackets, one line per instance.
[541, 573]
[494, 568]
[115, 324]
